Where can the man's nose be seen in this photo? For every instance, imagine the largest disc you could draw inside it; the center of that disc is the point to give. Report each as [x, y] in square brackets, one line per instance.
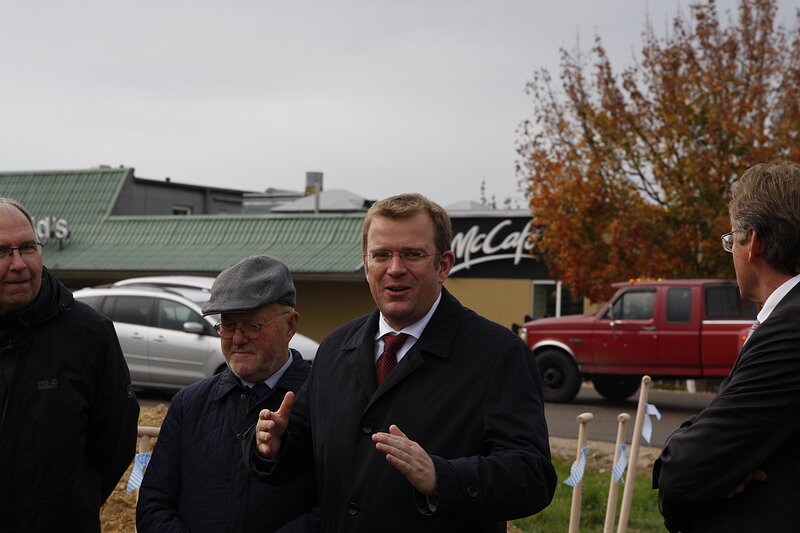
[396, 265]
[15, 262]
[238, 336]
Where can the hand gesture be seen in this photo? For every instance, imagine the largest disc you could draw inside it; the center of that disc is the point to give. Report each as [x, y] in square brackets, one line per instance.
[409, 458]
[271, 425]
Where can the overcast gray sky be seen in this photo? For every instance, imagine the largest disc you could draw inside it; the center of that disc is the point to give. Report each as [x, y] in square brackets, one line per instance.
[382, 97]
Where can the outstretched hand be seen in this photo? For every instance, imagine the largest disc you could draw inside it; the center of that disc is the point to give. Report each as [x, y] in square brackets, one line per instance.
[409, 458]
[271, 427]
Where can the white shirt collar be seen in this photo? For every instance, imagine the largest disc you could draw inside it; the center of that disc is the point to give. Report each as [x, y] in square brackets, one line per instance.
[776, 296]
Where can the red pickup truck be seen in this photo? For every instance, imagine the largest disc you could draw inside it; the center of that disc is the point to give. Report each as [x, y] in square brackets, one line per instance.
[675, 329]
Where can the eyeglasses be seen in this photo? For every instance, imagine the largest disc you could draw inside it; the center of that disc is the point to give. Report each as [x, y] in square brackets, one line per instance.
[727, 239]
[251, 331]
[26, 250]
[383, 256]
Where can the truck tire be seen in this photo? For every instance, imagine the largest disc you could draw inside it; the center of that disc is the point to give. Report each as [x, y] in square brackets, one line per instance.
[615, 387]
[560, 378]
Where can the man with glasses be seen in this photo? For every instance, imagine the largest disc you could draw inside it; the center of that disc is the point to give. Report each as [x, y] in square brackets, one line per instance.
[421, 416]
[197, 480]
[736, 465]
[68, 413]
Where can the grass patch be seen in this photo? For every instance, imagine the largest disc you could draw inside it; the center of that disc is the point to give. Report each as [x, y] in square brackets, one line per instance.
[644, 515]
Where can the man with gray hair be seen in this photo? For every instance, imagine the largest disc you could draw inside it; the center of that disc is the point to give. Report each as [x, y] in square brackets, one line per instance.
[197, 480]
[736, 465]
[68, 413]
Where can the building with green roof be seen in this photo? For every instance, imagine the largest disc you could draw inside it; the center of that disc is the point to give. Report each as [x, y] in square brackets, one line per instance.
[101, 225]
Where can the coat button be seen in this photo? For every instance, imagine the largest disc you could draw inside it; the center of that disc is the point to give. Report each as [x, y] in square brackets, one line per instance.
[243, 396]
[367, 428]
[472, 491]
[352, 508]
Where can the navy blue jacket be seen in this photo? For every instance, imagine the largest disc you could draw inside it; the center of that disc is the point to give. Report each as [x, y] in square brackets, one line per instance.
[197, 479]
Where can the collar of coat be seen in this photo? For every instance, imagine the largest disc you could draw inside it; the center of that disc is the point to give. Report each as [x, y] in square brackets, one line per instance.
[437, 338]
[53, 299]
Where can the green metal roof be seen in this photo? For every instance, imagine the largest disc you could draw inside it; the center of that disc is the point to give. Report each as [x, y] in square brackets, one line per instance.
[307, 243]
[83, 197]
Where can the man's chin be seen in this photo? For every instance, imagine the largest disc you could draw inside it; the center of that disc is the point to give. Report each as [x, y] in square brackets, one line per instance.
[16, 300]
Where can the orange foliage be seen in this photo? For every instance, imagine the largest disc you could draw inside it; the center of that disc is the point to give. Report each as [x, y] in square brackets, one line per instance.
[629, 175]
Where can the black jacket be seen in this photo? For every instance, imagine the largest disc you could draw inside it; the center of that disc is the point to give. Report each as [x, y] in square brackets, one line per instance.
[197, 479]
[468, 392]
[68, 421]
[752, 424]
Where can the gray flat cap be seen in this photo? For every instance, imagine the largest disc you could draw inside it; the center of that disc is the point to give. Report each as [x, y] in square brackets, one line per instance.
[250, 284]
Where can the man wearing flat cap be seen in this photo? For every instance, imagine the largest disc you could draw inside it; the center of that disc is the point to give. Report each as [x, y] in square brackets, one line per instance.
[197, 480]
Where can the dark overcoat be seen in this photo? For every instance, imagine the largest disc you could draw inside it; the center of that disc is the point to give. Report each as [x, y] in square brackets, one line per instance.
[68, 414]
[468, 392]
[751, 424]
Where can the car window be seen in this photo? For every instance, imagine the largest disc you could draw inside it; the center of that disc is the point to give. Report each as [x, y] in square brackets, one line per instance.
[632, 305]
[128, 309]
[93, 301]
[679, 305]
[172, 315]
[725, 302]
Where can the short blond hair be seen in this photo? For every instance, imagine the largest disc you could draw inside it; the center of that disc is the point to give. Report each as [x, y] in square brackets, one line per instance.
[407, 205]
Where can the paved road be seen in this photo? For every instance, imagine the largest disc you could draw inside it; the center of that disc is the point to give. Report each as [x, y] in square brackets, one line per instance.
[674, 406]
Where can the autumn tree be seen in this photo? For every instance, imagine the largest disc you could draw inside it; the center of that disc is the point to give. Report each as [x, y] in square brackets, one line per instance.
[629, 174]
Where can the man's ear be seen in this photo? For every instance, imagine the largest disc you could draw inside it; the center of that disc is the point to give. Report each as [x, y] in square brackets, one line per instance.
[446, 262]
[294, 319]
[755, 246]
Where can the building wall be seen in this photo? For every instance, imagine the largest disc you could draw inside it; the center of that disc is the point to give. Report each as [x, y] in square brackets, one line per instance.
[150, 197]
[326, 305]
[504, 301]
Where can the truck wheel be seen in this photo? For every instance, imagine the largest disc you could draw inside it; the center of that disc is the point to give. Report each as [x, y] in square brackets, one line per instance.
[616, 388]
[560, 378]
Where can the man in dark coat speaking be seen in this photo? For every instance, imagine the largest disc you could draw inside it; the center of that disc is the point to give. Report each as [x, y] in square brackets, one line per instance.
[197, 480]
[422, 415]
[68, 413]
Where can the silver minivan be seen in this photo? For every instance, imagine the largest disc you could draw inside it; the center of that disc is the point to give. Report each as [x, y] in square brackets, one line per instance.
[166, 341]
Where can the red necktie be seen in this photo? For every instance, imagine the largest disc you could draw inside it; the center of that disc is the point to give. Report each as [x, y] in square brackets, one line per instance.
[388, 359]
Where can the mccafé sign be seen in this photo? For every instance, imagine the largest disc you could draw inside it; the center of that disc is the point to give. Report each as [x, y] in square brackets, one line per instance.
[495, 247]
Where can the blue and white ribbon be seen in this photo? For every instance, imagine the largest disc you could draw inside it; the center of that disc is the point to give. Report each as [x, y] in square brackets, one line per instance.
[621, 464]
[647, 425]
[140, 462]
[577, 468]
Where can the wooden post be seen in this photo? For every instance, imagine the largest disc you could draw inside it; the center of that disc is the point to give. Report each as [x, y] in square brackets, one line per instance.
[583, 435]
[145, 433]
[613, 489]
[633, 458]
